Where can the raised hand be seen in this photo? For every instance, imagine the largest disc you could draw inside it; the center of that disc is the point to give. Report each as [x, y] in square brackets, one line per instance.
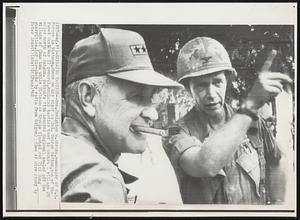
[267, 85]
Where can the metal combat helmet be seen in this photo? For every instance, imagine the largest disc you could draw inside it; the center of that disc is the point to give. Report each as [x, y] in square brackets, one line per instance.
[202, 56]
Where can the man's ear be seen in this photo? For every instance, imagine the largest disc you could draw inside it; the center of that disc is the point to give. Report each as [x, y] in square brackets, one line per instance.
[86, 94]
[230, 77]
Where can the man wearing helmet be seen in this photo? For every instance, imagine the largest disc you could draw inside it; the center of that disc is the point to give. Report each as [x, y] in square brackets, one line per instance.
[221, 156]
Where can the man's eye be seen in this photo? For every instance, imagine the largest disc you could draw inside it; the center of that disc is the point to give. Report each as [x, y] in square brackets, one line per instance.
[217, 83]
[139, 98]
[200, 85]
[132, 97]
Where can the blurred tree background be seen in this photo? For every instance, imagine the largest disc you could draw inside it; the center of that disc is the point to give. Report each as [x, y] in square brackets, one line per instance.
[247, 46]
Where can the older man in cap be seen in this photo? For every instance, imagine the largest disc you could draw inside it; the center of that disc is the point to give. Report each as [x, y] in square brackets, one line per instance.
[222, 156]
[110, 83]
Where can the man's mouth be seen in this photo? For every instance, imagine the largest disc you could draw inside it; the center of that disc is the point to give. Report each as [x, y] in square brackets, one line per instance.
[135, 131]
[212, 106]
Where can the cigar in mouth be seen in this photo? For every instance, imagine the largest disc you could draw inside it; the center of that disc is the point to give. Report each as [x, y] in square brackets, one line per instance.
[149, 130]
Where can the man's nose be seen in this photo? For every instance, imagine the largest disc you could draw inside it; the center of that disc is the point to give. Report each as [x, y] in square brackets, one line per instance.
[210, 91]
[150, 113]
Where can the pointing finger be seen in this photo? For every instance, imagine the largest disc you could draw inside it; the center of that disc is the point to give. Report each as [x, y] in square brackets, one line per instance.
[268, 63]
[276, 76]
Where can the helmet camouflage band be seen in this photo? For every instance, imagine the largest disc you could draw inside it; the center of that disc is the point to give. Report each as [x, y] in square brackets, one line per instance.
[202, 56]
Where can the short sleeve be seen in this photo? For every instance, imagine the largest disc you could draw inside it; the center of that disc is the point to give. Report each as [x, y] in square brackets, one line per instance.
[91, 183]
[174, 150]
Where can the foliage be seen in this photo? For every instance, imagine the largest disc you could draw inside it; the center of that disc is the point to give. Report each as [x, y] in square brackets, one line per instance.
[247, 46]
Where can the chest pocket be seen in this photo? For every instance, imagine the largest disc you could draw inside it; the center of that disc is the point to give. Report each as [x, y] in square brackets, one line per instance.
[256, 168]
[249, 162]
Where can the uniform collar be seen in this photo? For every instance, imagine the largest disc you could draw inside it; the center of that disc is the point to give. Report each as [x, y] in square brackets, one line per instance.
[128, 178]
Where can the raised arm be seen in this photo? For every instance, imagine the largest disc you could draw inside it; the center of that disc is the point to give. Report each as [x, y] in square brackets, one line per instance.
[209, 157]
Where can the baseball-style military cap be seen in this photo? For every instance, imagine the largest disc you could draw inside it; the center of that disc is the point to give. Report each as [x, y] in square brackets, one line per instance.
[117, 53]
[202, 56]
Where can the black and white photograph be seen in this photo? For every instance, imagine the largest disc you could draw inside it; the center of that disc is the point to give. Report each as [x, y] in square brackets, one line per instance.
[153, 117]
[213, 85]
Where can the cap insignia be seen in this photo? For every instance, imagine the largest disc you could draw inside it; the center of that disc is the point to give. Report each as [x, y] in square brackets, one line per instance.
[138, 49]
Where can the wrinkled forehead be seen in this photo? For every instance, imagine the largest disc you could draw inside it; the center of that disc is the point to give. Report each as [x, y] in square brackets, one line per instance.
[216, 75]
